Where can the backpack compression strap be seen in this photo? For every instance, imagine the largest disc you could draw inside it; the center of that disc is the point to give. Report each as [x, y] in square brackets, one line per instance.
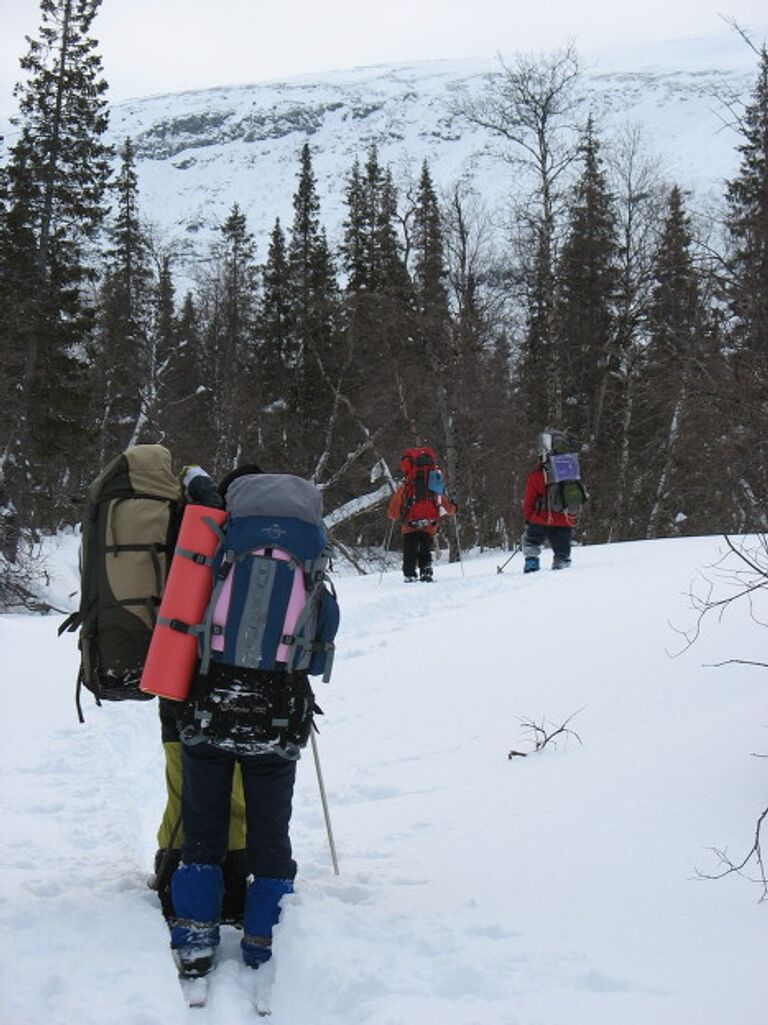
[206, 627]
[76, 619]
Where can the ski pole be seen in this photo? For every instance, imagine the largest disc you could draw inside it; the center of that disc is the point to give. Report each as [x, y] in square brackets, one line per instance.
[515, 550]
[324, 801]
[387, 543]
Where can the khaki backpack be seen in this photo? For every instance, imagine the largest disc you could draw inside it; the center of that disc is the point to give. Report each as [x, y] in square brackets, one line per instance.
[128, 535]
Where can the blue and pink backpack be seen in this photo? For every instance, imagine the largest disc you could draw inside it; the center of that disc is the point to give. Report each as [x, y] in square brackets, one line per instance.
[272, 608]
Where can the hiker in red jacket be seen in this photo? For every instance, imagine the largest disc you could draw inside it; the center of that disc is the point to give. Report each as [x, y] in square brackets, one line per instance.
[419, 506]
[548, 509]
[543, 524]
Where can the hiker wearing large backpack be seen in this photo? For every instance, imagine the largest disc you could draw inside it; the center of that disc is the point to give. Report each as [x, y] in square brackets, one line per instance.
[419, 504]
[269, 624]
[553, 499]
[199, 489]
[129, 534]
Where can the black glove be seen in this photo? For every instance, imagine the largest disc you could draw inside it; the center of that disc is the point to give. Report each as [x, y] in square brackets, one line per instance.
[200, 489]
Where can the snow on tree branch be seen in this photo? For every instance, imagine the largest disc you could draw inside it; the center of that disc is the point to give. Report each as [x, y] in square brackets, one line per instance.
[357, 506]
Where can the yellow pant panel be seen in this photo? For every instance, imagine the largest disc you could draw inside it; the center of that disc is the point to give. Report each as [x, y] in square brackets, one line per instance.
[171, 833]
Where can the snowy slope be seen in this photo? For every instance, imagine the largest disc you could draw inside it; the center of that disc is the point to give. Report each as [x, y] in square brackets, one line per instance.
[557, 889]
[200, 152]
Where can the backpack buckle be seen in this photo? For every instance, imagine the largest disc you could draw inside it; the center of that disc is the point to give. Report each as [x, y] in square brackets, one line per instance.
[226, 565]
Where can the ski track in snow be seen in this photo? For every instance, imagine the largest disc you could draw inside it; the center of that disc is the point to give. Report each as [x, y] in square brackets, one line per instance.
[552, 890]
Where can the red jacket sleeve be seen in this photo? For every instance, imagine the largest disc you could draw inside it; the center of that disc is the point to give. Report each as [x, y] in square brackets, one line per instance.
[395, 507]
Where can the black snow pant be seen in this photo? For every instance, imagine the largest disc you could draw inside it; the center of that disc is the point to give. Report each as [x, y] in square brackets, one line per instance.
[559, 540]
[417, 550]
[268, 787]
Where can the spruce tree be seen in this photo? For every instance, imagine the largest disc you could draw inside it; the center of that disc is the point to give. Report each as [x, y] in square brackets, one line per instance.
[187, 400]
[585, 322]
[378, 305]
[275, 311]
[314, 300]
[125, 357]
[389, 273]
[371, 249]
[52, 206]
[430, 271]
[229, 342]
[433, 358]
[747, 223]
[278, 355]
[746, 292]
[675, 356]
[585, 293]
[170, 393]
[353, 246]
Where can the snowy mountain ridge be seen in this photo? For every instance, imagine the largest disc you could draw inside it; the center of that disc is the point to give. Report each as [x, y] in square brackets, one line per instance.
[200, 152]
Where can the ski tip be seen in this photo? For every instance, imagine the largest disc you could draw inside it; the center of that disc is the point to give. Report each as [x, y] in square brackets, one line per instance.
[195, 991]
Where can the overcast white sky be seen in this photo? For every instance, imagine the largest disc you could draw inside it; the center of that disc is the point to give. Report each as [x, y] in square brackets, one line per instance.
[158, 46]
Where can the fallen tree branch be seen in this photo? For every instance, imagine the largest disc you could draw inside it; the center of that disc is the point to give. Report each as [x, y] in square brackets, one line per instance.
[542, 733]
[735, 662]
[755, 853]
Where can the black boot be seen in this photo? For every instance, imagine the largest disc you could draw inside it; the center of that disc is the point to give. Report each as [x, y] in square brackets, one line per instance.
[235, 871]
[166, 862]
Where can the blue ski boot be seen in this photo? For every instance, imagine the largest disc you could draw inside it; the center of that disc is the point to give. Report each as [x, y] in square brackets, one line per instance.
[531, 564]
[262, 911]
[196, 891]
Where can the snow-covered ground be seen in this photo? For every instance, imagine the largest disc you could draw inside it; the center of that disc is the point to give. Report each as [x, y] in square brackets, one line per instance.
[557, 889]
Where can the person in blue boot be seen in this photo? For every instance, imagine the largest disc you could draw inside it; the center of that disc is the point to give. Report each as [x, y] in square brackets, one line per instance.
[546, 523]
[259, 719]
[200, 489]
[198, 883]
